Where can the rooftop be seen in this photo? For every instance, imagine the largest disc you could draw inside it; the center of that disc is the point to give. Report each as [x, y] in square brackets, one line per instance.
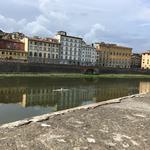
[45, 40]
[111, 45]
[63, 33]
[146, 52]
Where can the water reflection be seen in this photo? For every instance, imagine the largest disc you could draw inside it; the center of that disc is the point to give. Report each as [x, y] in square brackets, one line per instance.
[144, 87]
[46, 97]
[24, 98]
[11, 95]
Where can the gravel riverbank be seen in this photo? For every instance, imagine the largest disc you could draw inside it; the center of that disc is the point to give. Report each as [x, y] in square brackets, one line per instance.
[117, 124]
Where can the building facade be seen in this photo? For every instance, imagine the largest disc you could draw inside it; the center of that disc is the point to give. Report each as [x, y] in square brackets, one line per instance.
[42, 50]
[11, 45]
[70, 48]
[113, 56]
[136, 60]
[145, 63]
[12, 51]
[88, 55]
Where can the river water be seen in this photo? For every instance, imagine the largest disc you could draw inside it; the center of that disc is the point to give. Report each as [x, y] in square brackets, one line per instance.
[22, 98]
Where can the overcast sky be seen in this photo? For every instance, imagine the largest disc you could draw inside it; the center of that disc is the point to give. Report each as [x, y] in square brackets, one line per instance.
[126, 22]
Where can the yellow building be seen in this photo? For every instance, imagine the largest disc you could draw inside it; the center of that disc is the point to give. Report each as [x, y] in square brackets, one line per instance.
[112, 55]
[13, 56]
[145, 64]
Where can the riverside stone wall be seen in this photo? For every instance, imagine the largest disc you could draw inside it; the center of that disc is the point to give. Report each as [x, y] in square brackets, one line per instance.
[14, 67]
[42, 68]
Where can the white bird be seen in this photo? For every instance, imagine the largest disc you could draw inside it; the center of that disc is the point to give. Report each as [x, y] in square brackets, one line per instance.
[60, 90]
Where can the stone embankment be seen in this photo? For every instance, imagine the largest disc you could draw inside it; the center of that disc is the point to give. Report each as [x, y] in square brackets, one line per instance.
[119, 124]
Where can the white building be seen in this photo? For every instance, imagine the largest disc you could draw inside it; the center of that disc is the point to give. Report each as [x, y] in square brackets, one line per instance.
[42, 50]
[88, 55]
[70, 48]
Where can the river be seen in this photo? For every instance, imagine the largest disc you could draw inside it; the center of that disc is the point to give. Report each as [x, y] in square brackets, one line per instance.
[22, 98]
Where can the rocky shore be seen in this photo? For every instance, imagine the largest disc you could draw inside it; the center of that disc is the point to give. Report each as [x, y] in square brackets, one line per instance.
[117, 124]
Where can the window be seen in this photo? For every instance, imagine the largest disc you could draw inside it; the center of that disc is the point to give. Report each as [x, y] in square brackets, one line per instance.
[35, 54]
[40, 54]
[30, 54]
[49, 55]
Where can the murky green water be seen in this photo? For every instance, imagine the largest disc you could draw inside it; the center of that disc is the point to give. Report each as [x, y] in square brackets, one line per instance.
[26, 97]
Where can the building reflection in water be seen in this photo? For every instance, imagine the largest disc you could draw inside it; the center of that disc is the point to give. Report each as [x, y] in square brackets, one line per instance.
[46, 97]
[12, 95]
[81, 95]
[144, 87]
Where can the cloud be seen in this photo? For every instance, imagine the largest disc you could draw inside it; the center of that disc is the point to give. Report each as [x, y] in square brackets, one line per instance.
[39, 27]
[144, 25]
[95, 33]
[10, 24]
[48, 21]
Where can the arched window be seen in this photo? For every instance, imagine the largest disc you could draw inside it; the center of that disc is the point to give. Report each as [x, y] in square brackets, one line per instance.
[35, 54]
[31, 54]
[49, 56]
[40, 54]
